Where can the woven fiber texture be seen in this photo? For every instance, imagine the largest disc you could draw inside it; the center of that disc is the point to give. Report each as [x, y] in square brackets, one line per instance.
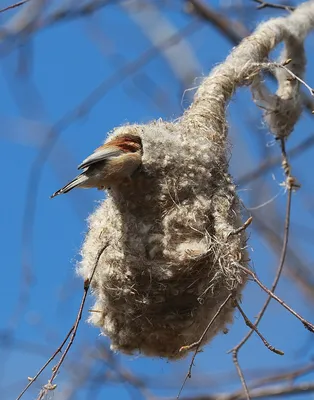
[170, 260]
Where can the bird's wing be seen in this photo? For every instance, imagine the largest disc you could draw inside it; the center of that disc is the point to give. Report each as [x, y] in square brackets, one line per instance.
[101, 154]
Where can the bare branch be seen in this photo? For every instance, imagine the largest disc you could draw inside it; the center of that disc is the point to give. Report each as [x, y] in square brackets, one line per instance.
[264, 4]
[197, 344]
[11, 7]
[71, 334]
[243, 227]
[235, 32]
[253, 327]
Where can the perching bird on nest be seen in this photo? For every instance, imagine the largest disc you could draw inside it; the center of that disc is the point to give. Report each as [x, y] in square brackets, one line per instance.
[110, 164]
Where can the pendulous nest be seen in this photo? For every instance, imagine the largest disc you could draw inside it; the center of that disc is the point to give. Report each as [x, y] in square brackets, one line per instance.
[169, 263]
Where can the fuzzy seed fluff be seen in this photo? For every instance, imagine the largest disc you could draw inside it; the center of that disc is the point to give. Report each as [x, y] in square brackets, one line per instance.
[169, 263]
[172, 257]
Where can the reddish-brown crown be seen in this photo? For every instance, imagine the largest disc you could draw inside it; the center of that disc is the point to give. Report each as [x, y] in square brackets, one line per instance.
[127, 143]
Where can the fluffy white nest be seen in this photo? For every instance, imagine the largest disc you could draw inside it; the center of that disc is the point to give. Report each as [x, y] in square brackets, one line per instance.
[169, 263]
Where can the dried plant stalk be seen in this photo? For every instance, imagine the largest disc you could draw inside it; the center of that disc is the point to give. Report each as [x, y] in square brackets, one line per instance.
[171, 261]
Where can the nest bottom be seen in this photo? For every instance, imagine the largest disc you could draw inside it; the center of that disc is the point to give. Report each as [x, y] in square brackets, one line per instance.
[163, 321]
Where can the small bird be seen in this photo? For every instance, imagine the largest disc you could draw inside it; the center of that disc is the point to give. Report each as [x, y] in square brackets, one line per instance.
[110, 164]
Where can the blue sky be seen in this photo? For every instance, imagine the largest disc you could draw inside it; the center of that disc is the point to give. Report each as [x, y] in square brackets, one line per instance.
[64, 63]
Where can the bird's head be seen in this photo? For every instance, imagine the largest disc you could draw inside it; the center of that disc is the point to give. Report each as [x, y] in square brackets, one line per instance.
[129, 142]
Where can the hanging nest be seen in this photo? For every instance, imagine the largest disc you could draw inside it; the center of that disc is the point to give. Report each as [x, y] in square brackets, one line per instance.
[170, 261]
[171, 257]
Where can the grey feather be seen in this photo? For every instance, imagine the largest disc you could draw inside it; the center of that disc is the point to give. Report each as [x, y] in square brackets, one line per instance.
[100, 155]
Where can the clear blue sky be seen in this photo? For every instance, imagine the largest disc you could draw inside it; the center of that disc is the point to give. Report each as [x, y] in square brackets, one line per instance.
[64, 63]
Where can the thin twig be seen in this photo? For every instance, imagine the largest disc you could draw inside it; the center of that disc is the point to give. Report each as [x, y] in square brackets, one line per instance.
[59, 349]
[232, 30]
[242, 228]
[256, 390]
[294, 76]
[307, 324]
[241, 375]
[12, 6]
[55, 371]
[295, 267]
[235, 32]
[285, 241]
[284, 376]
[71, 334]
[290, 183]
[264, 4]
[197, 344]
[254, 328]
[266, 166]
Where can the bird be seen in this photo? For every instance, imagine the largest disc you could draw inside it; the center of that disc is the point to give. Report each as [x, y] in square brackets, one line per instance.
[110, 164]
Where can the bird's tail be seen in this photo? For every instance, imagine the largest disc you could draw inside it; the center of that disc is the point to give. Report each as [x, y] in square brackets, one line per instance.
[71, 185]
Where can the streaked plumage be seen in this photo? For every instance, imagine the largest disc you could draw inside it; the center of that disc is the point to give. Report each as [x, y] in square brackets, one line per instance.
[110, 164]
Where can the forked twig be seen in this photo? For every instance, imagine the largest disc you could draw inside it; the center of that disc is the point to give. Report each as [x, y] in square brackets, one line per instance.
[71, 334]
[242, 228]
[306, 323]
[12, 6]
[265, 4]
[254, 328]
[197, 344]
[59, 349]
[290, 184]
[293, 75]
